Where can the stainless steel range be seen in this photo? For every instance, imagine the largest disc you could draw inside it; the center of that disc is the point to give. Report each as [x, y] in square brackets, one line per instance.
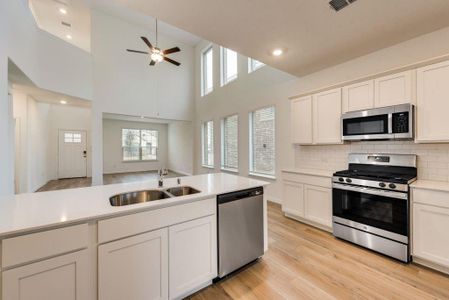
[371, 202]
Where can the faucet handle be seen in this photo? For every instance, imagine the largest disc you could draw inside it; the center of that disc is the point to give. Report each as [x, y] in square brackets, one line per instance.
[179, 180]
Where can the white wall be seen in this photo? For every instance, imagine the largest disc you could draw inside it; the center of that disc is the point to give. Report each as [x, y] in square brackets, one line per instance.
[49, 62]
[268, 86]
[112, 145]
[180, 147]
[64, 117]
[124, 83]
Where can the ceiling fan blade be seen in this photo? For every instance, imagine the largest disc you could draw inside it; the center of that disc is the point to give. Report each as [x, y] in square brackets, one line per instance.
[171, 61]
[136, 51]
[171, 50]
[152, 63]
[146, 41]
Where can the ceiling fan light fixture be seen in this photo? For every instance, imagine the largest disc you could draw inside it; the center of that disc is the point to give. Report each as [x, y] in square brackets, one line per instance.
[277, 52]
[157, 55]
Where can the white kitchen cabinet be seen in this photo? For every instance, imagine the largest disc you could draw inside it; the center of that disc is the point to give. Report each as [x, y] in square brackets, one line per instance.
[394, 89]
[192, 255]
[430, 236]
[293, 198]
[301, 120]
[358, 96]
[432, 103]
[63, 277]
[326, 117]
[318, 205]
[134, 268]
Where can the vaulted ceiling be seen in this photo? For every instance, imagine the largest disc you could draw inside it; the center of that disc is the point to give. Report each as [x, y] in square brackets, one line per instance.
[313, 35]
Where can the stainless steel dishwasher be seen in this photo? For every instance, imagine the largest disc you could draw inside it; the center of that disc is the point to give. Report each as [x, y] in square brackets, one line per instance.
[240, 229]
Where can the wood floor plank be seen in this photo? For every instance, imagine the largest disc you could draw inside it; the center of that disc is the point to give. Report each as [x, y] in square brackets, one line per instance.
[304, 262]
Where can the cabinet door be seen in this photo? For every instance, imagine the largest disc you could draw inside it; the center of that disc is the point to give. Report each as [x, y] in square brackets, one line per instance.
[394, 89]
[134, 268]
[293, 198]
[193, 255]
[430, 237]
[63, 277]
[432, 103]
[358, 96]
[301, 120]
[326, 117]
[318, 205]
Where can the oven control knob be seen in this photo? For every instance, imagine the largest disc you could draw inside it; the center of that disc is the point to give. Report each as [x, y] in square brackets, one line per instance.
[348, 180]
[392, 186]
[341, 179]
[382, 185]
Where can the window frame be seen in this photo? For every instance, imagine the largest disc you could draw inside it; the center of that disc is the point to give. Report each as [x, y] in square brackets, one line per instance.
[203, 59]
[222, 146]
[250, 148]
[224, 79]
[203, 164]
[251, 67]
[140, 146]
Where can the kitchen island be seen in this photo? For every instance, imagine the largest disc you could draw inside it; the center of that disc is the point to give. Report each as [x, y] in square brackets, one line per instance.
[73, 244]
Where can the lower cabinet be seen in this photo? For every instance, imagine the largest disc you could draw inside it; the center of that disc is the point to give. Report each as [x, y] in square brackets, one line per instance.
[430, 236]
[134, 268]
[308, 199]
[192, 255]
[318, 205]
[63, 277]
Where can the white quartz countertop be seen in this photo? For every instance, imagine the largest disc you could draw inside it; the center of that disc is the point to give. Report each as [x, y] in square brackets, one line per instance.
[431, 185]
[28, 212]
[322, 173]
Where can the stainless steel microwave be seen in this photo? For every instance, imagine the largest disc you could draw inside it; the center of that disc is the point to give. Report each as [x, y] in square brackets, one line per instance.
[386, 123]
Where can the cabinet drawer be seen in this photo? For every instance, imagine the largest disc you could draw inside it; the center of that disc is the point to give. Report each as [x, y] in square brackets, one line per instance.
[120, 227]
[437, 198]
[36, 246]
[308, 179]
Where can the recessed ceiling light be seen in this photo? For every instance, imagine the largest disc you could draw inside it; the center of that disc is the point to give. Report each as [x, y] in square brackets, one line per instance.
[142, 117]
[63, 10]
[68, 36]
[63, 102]
[277, 52]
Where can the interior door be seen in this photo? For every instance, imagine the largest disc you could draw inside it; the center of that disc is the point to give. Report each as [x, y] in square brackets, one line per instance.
[72, 154]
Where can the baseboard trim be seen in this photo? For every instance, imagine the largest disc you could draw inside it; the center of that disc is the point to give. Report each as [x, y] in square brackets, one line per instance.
[430, 265]
[274, 199]
[308, 222]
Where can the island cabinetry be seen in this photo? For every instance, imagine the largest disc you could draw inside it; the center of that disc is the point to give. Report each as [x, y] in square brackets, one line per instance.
[49, 265]
[168, 253]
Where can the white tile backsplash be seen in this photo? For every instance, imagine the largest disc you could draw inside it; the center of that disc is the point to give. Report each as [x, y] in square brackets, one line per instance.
[433, 159]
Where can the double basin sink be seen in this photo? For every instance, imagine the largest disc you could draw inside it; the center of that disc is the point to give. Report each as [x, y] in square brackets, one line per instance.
[151, 195]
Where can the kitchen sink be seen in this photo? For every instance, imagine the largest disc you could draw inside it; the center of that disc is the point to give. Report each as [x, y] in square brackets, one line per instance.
[181, 191]
[138, 197]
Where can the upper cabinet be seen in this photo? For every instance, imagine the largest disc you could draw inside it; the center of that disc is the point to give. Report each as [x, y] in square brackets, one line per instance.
[326, 117]
[316, 119]
[433, 103]
[301, 120]
[394, 89]
[358, 96]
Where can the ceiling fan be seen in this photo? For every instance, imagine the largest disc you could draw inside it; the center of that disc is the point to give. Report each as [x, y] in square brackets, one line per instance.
[156, 54]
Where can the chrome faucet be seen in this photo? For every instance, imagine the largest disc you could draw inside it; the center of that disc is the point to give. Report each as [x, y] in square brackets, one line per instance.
[162, 173]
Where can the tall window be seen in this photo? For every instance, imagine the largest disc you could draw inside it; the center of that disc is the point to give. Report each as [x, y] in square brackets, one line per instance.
[253, 65]
[207, 144]
[229, 143]
[207, 79]
[139, 144]
[228, 64]
[262, 142]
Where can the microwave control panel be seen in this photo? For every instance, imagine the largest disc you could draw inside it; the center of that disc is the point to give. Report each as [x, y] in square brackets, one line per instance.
[401, 122]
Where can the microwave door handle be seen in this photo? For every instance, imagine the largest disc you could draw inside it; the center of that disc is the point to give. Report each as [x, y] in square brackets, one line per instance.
[371, 191]
[390, 123]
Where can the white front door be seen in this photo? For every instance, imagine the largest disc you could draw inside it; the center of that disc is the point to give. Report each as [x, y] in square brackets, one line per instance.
[72, 154]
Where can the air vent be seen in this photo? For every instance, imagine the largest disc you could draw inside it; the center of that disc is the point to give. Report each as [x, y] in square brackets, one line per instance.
[340, 4]
[66, 24]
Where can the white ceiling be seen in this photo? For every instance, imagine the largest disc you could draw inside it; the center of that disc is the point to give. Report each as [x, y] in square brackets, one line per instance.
[48, 18]
[314, 36]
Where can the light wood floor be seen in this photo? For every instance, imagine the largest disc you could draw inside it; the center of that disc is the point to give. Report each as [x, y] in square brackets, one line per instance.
[306, 263]
[71, 183]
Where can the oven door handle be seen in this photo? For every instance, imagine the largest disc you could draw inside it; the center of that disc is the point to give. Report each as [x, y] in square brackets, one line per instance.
[371, 191]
